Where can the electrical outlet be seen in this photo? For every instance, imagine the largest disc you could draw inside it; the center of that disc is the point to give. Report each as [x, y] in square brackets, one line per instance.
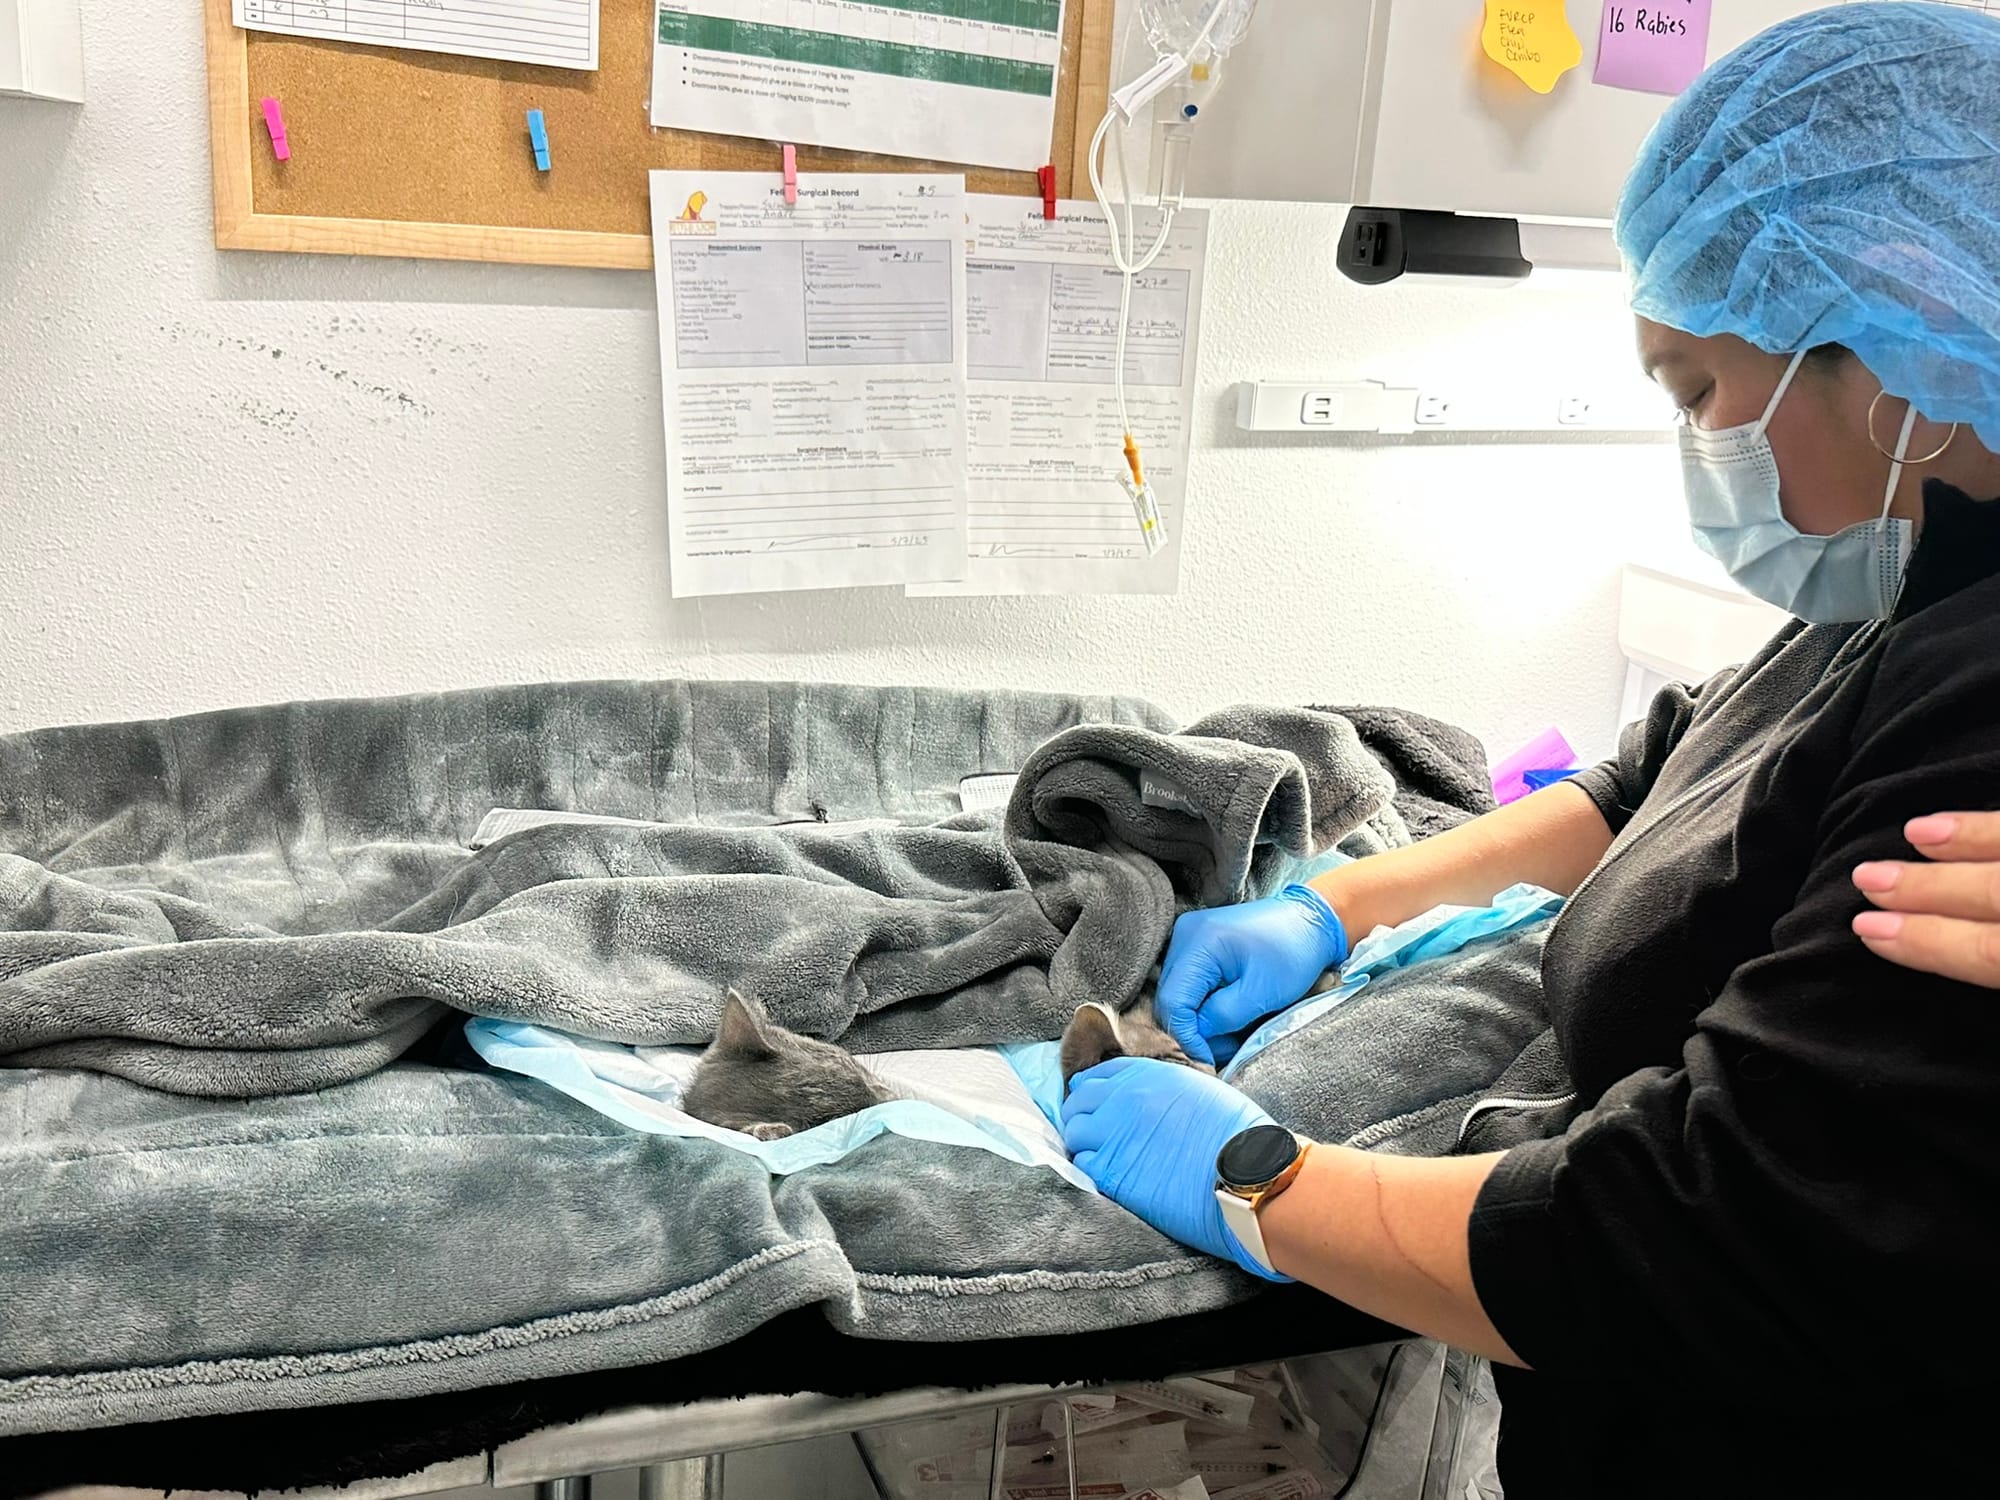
[1329, 405]
[1322, 406]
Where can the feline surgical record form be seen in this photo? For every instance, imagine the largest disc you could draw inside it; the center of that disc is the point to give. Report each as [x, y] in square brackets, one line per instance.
[766, 1081]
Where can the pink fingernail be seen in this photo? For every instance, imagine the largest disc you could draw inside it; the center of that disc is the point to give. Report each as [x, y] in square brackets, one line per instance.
[1880, 926]
[1877, 877]
[1921, 831]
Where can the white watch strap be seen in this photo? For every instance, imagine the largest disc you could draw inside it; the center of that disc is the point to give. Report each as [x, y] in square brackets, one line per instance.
[1240, 1219]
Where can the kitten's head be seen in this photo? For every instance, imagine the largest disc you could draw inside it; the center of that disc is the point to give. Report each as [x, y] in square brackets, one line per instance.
[757, 1074]
[1097, 1033]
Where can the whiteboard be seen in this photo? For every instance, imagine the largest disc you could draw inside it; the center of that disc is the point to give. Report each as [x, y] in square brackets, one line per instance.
[13, 77]
[1285, 123]
[41, 49]
[1453, 130]
[1392, 103]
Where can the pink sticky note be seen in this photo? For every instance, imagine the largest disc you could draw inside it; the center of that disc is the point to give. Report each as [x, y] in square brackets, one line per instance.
[1659, 47]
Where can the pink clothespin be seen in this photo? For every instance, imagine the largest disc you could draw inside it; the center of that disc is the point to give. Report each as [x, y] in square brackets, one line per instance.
[274, 121]
[1048, 179]
[791, 174]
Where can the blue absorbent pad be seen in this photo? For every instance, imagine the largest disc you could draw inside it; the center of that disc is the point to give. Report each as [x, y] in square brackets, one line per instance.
[1003, 1100]
[967, 1096]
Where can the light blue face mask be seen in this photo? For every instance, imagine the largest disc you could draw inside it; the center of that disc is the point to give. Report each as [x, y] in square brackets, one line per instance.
[1733, 500]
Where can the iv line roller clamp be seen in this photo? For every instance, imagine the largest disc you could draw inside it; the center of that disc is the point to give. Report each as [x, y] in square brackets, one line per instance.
[1189, 39]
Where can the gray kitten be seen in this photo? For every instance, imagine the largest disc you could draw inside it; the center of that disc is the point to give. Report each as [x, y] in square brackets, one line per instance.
[766, 1081]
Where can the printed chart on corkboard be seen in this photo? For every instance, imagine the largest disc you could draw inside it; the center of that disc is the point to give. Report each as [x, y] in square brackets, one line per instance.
[427, 154]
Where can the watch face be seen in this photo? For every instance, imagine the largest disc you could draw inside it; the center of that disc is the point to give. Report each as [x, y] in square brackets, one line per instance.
[1255, 1156]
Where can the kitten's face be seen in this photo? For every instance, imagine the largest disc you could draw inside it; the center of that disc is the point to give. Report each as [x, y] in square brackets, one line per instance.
[1097, 1033]
[759, 1078]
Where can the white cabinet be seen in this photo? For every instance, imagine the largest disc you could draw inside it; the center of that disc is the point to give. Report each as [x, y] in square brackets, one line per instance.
[1392, 103]
[41, 49]
[1683, 619]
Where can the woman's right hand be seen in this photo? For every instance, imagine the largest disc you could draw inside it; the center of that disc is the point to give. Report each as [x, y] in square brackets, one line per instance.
[1229, 967]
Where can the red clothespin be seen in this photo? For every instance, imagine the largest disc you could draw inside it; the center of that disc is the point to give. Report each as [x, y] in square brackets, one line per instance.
[1048, 178]
[274, 121]
[791, 174]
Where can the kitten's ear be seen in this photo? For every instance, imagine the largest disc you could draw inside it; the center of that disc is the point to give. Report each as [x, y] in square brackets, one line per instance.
[742, 1029]
[1090, 1038]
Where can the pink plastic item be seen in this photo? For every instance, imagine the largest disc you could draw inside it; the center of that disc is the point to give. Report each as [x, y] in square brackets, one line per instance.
[1547, 751]
[274, 121]
[791, 174]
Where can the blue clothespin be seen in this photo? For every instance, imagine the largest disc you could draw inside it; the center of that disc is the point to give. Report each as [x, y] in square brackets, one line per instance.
[538, 137]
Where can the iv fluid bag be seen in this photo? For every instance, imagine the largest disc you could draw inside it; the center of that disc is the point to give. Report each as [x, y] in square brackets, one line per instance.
[1173, 26]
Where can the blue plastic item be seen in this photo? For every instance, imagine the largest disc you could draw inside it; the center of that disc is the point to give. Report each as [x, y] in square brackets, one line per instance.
[1536, 780]
[1836, 179]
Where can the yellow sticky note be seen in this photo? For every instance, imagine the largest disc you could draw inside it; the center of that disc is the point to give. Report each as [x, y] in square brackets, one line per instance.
[1532, 40]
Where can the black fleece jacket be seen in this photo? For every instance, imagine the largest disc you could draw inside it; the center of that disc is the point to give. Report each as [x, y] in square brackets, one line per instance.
[1765, 1256]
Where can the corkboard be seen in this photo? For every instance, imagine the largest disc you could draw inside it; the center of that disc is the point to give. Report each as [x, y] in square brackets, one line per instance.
[420, 154]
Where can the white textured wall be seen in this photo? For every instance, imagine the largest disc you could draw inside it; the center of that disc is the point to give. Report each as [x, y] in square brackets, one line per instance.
[235, 479]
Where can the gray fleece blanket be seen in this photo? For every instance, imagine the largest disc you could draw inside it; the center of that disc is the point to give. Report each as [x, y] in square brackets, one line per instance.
[275, 902]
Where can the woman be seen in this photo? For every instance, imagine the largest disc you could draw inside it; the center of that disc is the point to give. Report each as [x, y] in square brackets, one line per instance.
[1743, 1254]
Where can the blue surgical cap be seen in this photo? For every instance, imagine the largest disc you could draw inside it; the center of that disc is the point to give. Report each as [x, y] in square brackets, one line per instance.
[1836, 180]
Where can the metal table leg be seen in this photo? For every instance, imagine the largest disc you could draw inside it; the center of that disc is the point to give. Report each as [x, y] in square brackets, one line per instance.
[1069, 1446]
[564, 1489]
[999, 1452]
[684, 1479]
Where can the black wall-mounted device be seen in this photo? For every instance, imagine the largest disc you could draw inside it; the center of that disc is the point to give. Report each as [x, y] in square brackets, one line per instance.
[1377, 245]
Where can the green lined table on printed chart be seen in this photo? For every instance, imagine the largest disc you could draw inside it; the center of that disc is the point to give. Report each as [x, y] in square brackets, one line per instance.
[958, 80]
[862, 54]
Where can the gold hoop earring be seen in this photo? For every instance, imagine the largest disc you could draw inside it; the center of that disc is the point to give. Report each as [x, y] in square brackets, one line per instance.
[1949, 438]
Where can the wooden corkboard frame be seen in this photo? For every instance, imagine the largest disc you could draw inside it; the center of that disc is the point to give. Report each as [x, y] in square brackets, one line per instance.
[425, 155]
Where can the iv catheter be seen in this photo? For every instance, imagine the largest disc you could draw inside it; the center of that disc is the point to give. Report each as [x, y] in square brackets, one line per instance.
[1164, 21]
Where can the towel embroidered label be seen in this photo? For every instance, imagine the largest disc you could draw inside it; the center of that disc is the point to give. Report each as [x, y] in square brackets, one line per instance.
[1156, 790]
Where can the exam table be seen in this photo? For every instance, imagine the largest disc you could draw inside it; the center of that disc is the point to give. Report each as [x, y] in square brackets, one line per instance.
[792, 1379]
[384, 1314]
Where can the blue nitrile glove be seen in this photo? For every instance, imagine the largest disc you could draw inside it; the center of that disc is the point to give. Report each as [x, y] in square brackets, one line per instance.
[1228, 968]
[1148, 1133]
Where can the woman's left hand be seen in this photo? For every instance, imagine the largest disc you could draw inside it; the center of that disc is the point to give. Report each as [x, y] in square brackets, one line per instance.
[1148, 1133]
[1944, 917]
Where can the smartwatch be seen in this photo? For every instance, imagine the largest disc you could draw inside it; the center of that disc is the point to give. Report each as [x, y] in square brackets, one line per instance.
[1254, 1166]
